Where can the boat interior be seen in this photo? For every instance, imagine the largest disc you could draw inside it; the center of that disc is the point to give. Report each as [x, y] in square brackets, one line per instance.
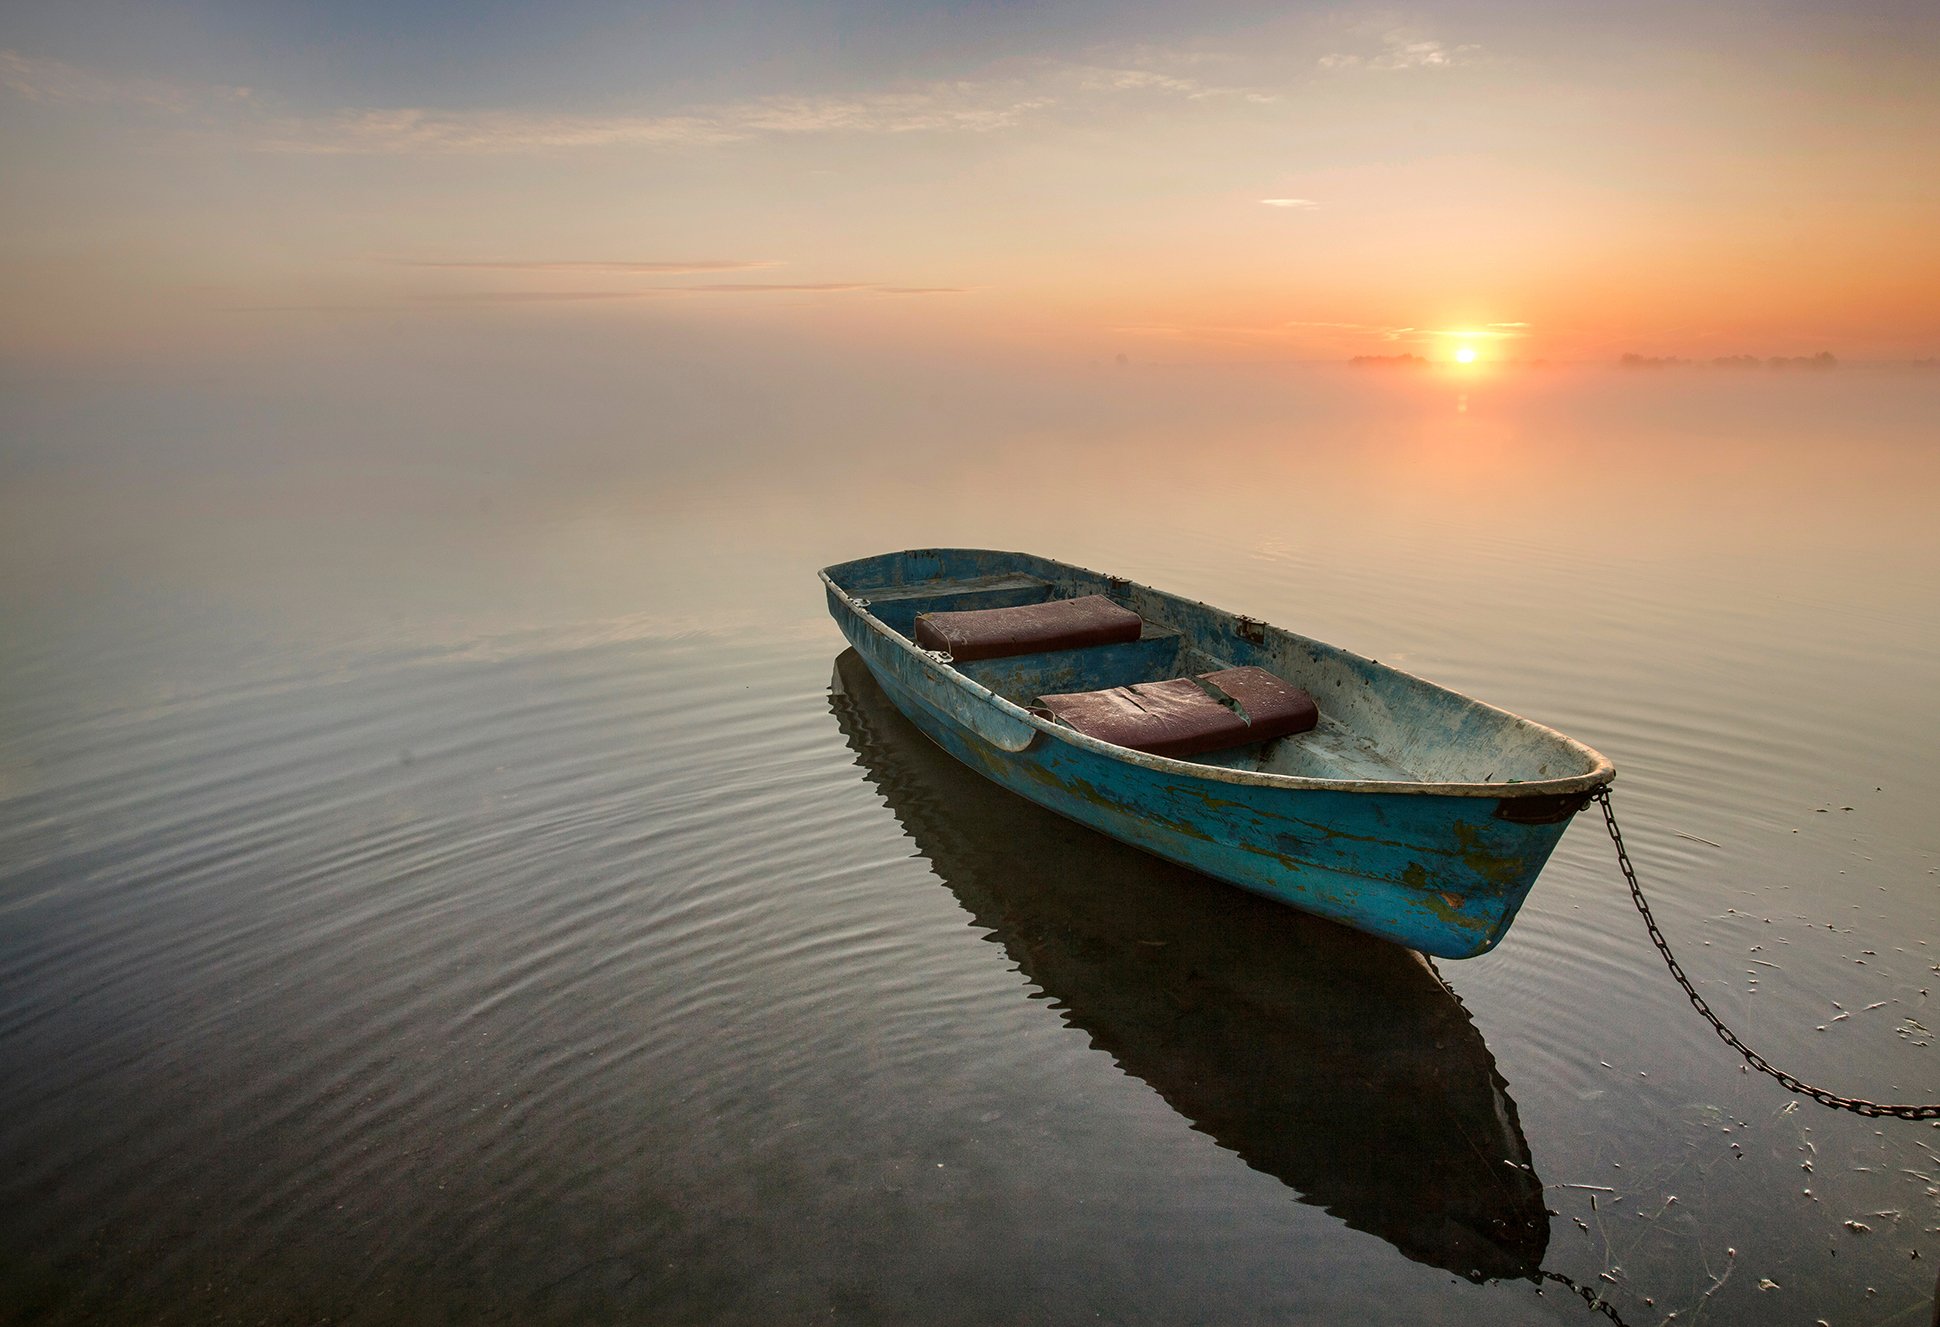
[1159, 654]
[1374, 724]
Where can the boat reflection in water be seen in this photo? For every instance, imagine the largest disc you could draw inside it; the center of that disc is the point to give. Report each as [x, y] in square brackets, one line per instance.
[1335, 1062]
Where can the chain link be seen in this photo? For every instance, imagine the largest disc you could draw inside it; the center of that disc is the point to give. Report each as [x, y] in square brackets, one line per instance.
[1597, 1303]
[1792, 1083]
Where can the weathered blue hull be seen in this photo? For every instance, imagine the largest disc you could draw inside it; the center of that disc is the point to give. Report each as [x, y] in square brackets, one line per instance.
[1435, 864]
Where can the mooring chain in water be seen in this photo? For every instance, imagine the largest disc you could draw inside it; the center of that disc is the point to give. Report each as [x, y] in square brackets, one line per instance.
[1751, 1057]
[1597, 1303]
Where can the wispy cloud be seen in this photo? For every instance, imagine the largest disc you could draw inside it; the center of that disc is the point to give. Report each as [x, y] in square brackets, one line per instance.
[1252, 337]
[1476, 332]
[1403, 48]
[947, 108]
[1299, 332]
[1099, 78]
[1292, 204]
[538, 296]
[57, 83]
[777, 287]
[632, 267]
[626, 266]
[676, 292]
[951, 106]
[833, 287]
[961, 106]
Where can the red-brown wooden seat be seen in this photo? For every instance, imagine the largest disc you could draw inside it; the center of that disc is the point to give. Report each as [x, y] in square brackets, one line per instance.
[1181, 717]
[998, 633]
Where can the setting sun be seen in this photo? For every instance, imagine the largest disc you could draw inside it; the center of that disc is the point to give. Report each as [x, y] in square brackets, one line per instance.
[1465, 355]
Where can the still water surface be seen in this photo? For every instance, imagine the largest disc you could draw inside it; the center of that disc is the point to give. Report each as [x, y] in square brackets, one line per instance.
[435, 890]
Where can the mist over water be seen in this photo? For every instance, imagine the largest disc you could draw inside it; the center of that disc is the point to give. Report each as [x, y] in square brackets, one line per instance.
[436, 882]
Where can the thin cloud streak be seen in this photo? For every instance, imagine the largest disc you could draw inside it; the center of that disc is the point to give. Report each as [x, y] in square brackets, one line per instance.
[588, 265]
[1292, 204]
[962, 106]
[539, 296]
[815, 287]
[956, 106]
[51, 82]
[1404, 49]
[1479, 332]
[1290, 332]
[1096, 78]
[675, 292]
[953, 108]
[775, 287]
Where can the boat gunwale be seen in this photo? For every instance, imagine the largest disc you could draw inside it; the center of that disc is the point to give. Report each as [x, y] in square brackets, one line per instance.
[1601, 774]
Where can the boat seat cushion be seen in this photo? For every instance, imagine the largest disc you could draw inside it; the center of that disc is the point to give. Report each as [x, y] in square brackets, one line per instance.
[998, 633]
[1190, 716]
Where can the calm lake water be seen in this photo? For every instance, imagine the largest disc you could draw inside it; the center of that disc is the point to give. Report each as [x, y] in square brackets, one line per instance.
[449, 874]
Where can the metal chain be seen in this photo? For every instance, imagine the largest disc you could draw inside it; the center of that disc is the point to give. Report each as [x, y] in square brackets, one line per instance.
[1751, 1057]
[1597, 1303]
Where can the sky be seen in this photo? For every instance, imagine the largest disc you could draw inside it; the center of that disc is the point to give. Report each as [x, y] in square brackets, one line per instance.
[1068, 180]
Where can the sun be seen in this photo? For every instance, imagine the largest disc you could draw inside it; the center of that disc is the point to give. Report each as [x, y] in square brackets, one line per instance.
[1465, 354]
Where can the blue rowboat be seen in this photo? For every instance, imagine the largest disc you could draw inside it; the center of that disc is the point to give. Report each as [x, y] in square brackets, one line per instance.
[1405, 810]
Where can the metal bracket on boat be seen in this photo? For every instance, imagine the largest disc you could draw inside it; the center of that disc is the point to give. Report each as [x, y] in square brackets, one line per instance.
[941, 656]
[1116, 586]
[1250, 629]
[857, 601]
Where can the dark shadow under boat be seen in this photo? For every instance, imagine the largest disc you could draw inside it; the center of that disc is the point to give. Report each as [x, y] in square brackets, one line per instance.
[1337, 1063]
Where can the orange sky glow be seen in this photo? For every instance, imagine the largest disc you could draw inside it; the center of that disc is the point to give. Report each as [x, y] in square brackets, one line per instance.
[1556, 183]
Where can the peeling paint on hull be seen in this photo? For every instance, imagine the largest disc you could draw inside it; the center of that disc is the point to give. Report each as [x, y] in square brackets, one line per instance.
[1437, 867]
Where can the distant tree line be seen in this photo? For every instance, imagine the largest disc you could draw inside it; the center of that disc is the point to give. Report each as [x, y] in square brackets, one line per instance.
[1822, 360]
